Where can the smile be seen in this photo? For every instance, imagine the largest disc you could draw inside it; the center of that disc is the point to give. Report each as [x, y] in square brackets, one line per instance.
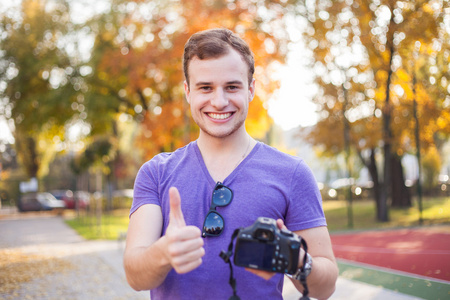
[219, 116]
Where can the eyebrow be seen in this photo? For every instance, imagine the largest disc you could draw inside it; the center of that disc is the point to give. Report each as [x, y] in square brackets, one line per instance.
[202, 83]
[233, 82]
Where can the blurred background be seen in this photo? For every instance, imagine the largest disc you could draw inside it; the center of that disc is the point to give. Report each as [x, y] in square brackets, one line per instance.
[90, 90]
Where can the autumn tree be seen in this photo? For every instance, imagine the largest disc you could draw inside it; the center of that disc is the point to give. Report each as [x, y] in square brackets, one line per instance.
[35, 87]
[429, 71]
[135, 68]
[361, 54]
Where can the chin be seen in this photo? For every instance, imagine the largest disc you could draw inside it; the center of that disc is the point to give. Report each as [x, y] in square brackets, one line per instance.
[220, 132]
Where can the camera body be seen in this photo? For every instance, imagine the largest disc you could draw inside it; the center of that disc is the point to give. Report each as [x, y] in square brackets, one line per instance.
[263, 246]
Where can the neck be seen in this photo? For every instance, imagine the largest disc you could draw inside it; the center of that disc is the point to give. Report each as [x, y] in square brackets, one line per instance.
[223, 155]
[223, 145]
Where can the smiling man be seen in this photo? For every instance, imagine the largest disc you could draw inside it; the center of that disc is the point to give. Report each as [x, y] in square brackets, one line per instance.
[188, 203]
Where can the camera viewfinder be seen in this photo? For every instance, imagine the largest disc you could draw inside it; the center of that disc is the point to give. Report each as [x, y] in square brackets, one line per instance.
[264, 235]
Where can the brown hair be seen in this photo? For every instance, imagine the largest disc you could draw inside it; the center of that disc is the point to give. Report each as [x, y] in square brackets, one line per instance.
[214, 43]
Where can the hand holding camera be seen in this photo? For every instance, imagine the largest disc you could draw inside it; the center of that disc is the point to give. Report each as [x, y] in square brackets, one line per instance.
[269, 274]
[265, 247]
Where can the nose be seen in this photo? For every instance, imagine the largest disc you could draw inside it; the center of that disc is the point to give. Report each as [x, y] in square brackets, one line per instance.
[219, 99]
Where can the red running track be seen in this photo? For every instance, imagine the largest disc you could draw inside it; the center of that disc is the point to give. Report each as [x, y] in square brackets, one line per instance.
[422, 251]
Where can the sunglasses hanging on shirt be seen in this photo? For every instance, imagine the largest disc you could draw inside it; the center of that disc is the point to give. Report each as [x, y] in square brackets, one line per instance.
[214, 222]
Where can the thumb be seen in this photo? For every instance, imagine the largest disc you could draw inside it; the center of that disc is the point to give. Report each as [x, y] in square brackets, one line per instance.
[176, 215]
[280, 224]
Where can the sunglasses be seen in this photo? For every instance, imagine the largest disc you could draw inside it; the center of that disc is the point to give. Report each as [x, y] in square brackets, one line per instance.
[214, 222]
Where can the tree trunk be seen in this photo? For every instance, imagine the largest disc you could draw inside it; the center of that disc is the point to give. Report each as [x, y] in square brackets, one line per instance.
[27, 151]
[401, 196]
[373, 171]
[382, 207]
[382, 212]
[371, 165]
[379, 190]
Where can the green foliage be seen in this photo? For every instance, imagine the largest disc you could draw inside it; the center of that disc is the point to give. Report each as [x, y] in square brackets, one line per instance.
[35, 76]
[98, 152]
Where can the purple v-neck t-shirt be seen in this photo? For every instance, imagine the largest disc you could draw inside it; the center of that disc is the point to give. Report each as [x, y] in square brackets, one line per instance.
[267, 183]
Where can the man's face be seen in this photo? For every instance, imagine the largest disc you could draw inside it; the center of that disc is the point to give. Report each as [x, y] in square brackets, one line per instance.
[219, 94]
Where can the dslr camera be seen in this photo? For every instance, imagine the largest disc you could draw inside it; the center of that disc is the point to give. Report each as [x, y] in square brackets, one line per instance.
[263, 246]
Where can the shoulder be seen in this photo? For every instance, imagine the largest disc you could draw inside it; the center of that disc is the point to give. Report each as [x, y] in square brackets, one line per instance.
[277, 164]
[165, 162]
[274, 156]
[167, 158]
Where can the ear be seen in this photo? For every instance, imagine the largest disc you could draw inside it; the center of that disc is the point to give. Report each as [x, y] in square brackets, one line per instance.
[251, 90]
[186, 90]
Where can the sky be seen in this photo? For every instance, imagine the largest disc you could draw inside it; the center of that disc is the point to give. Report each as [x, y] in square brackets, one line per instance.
[5, 134]
[292, 105]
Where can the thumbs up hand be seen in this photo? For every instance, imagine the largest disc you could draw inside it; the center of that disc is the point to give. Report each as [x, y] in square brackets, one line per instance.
[184, 243]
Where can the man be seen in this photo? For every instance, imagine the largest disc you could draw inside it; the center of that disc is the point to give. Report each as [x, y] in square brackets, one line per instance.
[165, 251]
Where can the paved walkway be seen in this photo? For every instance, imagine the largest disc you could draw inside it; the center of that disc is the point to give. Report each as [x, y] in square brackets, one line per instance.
[84, 269]
[43, 258]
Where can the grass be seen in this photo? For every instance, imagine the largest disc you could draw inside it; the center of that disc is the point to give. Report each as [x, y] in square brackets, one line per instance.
[396, 281]
[435, 211]
[109, 226]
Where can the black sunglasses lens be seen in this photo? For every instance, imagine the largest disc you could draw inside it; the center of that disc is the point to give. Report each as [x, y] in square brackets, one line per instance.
[213, 224]
[222, 196]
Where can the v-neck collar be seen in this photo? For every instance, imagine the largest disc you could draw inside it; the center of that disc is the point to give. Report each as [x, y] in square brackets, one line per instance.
[231, 176]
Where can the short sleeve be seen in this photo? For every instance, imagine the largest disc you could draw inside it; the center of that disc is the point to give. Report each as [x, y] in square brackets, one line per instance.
[305, 201]
[146, 189]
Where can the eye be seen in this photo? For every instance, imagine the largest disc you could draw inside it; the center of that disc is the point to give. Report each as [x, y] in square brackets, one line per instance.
[205, 88]
[232, 87]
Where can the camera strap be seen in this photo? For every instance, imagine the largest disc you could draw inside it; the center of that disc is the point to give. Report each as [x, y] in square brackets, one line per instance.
[232, 281]
[303, 274]
[226, 257]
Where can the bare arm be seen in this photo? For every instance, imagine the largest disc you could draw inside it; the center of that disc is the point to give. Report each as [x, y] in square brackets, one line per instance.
[322, 280]
[148, 257]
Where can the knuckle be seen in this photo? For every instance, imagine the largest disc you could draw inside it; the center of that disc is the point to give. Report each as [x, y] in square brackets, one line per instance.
[193, 231]
[176, 263]
[172, 250]
[171, 237]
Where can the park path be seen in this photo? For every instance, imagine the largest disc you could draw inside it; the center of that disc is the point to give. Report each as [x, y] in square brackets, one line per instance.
[56, 263]
[43, 258]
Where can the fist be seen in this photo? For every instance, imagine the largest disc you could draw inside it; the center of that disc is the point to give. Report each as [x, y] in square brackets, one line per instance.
[184, 243]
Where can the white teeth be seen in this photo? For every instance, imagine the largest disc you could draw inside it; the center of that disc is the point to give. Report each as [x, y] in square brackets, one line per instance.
[219, 116]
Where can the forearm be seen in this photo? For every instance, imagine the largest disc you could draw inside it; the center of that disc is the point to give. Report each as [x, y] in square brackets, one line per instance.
[146, 267]
[324, 272]
[322, 280]
[149, 258]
